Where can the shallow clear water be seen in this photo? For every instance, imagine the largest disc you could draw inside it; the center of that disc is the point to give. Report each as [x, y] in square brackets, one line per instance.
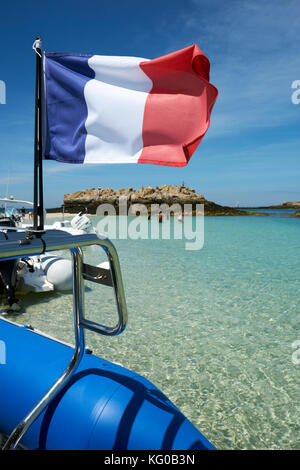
[212, 328]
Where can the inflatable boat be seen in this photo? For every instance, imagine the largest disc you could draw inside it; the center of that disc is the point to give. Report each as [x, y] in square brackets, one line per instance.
[54, 396]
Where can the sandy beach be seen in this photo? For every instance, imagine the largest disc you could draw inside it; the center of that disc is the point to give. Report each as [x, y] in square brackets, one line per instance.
[59, 215]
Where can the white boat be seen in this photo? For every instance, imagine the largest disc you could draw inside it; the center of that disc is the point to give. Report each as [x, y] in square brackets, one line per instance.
[41, 273]
[79, 225]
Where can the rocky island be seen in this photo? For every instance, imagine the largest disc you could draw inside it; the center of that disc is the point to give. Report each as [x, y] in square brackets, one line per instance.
[90, 199]
[296, 214]
[290, 205]
[284, 205]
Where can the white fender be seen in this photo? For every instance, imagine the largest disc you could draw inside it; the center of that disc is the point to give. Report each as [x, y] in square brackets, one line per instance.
[58, 271]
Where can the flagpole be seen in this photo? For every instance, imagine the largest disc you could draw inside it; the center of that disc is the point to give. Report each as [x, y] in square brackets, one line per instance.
[38, 200]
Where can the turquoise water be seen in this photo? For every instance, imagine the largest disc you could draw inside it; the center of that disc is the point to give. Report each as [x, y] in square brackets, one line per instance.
[212, 328]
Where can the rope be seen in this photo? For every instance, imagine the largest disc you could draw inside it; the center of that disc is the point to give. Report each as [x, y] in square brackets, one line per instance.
[36, 45]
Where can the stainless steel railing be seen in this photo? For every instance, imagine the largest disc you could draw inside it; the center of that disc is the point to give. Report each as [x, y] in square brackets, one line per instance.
[23, 244]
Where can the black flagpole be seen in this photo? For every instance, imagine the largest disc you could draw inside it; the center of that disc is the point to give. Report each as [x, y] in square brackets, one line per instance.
[38, 200]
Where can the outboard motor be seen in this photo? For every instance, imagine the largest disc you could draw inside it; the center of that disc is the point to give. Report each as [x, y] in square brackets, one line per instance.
[81, 222]
[8, 271]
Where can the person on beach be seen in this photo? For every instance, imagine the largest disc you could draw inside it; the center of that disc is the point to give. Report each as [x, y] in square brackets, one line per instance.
[160, 216]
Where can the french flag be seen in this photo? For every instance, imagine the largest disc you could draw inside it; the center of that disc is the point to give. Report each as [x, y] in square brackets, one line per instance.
[107, 109]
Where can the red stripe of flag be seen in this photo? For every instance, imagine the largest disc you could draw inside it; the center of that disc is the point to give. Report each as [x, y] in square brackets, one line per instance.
[178, 108]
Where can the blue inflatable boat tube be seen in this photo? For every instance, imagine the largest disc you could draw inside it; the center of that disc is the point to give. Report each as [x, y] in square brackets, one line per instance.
[103, 407]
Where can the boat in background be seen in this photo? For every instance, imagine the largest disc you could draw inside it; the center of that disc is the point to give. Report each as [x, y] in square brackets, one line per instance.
[43, 273]
[79, 224]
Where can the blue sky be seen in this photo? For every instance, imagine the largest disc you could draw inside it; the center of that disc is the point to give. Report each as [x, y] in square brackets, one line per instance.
[250, 154]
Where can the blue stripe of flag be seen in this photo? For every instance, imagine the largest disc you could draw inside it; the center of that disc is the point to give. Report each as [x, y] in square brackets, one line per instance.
[65, 78]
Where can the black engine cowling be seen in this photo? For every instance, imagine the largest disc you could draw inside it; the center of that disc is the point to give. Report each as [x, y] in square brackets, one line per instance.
[8, 269]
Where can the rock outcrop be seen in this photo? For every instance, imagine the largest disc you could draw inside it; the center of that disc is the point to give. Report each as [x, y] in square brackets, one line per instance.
[90, 199]
[296, 214]
[291, 205]
[284, 205]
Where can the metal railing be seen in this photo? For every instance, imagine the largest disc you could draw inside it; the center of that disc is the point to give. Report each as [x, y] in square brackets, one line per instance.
[21, 244]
